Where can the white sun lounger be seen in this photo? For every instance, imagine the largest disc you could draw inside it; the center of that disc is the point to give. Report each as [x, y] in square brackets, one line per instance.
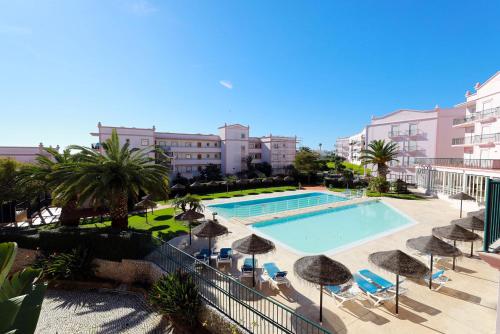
[342, 294]
[378, 296]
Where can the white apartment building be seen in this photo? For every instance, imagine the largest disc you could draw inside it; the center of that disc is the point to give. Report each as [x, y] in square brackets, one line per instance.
[356, 145]
[342, 147]
[480, 145]
[26, 154]
[190, 153]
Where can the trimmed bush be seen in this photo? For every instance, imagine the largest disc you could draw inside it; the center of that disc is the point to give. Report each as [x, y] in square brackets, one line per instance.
[75, 265]
[378, 184]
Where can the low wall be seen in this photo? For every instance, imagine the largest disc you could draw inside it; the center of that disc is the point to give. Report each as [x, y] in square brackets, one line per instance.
[24, 258]
[146, 272]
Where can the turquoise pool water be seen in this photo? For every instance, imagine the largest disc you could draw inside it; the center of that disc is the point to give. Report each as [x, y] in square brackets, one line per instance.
[264, 206]
[331, 229]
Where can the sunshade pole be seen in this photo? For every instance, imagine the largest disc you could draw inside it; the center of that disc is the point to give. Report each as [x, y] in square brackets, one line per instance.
[253, 270]
[454, 245]
[397, 293]
[461, 208]
[472, 246]
[321, 303]
[430, 275]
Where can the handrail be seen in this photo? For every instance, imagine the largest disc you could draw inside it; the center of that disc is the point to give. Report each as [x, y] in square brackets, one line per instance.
[267, 315]
[491, 112]
[460, 162]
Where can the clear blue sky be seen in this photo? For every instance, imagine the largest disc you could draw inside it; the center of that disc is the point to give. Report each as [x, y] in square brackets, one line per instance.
[317, 69]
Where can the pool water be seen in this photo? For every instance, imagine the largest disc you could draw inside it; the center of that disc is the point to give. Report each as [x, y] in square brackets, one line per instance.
[271, 205]
[332, 229]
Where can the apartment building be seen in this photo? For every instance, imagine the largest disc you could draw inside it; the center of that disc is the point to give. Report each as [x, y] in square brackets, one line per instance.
[342, 147]
[418, 134]
[356, 145]
[26, 154]
[479, 143]
[190, 153]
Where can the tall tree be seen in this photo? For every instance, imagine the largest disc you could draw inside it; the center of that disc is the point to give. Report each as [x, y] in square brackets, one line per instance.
[111, 177]
[307, 162]
[380, 153]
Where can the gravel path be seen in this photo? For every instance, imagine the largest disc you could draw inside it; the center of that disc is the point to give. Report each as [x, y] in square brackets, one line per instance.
[97, 312]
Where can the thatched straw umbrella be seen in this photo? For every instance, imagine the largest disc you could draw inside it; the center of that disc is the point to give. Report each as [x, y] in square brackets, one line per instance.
[321, 270]
[473, 223]
[209, 229]
[478, 213]
[146, 204]
[253, 244]
[401, 264]
[196, 184]
[462, 197]
[178, 186]
[456, 233]
[189, 216]
[433, 246]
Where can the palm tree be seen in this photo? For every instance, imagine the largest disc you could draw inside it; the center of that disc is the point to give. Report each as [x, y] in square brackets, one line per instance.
[188, 202]
[39, 178]
[111, 177]
[380, 153]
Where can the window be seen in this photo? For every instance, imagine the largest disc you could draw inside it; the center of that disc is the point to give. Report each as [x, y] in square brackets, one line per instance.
[258, 145]
[275, 146]
[413, 129]
[189, 169]
[188, 156]
[189, 144]
[208, 144]
[394, 130]
[145, 142]
[216, 156]
[163, 143]
[199, 156]
[283, 156]
[208, 156]
[242, 136]
[127, 140]
[198, 144]
[284, 145]
[215, 144]
[174, 143]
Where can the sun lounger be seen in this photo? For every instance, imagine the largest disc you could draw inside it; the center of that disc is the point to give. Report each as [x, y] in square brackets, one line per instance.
[342, 294]
[381, 282]
[247, 267]
[203, 255]
[376, 294]
[438, 278]
[276, 276]
[225, 256]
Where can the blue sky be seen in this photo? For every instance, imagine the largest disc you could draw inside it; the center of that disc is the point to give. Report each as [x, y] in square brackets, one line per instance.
[317, 69]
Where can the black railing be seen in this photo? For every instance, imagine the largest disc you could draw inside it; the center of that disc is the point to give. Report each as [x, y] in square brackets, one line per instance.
[460, 162]
[253, 311]
[492, 112]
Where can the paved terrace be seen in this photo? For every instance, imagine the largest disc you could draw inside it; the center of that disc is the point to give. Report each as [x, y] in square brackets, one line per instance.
[467, 304]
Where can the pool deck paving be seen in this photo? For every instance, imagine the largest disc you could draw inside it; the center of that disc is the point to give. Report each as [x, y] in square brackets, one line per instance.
[466, 304]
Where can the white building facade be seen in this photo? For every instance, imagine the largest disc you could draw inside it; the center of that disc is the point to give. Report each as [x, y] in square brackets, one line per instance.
[480, 145]
[190, 153]
[26, 154]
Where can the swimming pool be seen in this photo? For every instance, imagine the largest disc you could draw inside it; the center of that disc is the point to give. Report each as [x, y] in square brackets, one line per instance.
[333, 229]
[271, 205]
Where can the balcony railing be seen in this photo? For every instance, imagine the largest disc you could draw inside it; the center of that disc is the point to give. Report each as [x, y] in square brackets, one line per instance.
[481, 115]
[460, 162]
[477, 140]
[411, 133]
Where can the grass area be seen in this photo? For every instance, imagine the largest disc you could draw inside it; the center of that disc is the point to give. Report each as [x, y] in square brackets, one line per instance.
[357, 169]
[409, 196]
[161, 222]
[245, 192]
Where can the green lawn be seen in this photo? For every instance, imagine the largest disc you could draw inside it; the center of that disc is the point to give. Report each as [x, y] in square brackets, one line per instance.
[239, 193]
[160, 222]
[358, 169]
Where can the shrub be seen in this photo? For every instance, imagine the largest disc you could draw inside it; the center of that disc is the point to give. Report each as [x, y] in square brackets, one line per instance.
[176, 295]
[399, 187]
[24, 237]
[378, 184]
[75, 265]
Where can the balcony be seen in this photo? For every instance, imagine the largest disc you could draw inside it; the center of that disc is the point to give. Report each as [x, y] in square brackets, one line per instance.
[460, 163]
[189, 149]
[484, 140]
[487, 115]
[395, 134]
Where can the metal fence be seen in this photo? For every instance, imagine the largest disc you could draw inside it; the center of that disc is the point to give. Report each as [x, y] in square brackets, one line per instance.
[253, 311]
[492, 223]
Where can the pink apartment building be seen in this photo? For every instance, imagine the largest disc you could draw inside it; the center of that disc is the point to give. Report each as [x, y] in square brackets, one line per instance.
[419, 134]
[27, 154]
[480, 145]
[189, 153]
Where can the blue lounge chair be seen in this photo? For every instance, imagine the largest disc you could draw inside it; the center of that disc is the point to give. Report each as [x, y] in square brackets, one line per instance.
[376, 294]
[438, 278]
[276, 276]
[203, 255]
[341, 294]
[225, 256]
[247, 267]
[382, 282]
